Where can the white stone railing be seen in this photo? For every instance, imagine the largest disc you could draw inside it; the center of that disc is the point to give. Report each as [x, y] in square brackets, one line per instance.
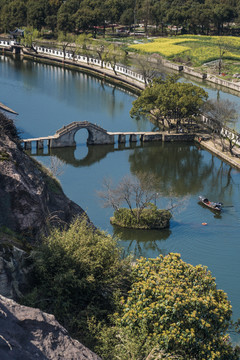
[225, 131]
[88, 60]
[7, 43]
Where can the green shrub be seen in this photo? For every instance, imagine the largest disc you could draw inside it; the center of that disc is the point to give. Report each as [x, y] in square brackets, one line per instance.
[173, 311]
[179, 308]
[77, 274]
[150, 218]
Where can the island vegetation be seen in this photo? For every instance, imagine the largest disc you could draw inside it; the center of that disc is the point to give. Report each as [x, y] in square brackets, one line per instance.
[140, 195]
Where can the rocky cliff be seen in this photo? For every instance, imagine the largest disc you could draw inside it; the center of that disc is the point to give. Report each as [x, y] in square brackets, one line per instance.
[30, 198]
[28, 333]
[30, 201]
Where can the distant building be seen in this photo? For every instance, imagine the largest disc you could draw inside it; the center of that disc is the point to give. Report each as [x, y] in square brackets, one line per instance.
[17, 33]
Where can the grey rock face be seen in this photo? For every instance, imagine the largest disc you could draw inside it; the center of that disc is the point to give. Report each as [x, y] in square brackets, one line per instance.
[29, 197]
[14, 268]
[30, 334]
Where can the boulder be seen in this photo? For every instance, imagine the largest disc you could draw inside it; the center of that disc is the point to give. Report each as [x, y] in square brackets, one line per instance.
[27, 333]
[14, 269]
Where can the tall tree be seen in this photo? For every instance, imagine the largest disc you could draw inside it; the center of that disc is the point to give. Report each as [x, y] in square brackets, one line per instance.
[66, 15]
[14, 15]
[169, 101]
[36, 13]
[223, 113]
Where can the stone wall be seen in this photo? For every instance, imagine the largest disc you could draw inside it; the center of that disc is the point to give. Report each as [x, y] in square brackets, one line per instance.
[190, 71]
[222, 82]
[178, 137]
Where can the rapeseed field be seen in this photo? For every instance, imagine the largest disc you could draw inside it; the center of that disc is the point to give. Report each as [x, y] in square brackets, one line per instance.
[197, 49]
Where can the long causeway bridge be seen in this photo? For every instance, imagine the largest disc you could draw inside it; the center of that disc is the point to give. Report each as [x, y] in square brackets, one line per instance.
[65, 136]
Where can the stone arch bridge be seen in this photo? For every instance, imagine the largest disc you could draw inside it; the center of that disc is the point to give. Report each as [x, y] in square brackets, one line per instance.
[65, 136]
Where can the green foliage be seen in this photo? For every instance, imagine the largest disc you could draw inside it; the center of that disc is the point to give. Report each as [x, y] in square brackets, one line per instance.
[4, 156]
[114, 54]
[169, 101]
[13, 15]
[152, 218]
[198, 16]
[180, 309]
[77, 273]
[30, 35]
[36, 13]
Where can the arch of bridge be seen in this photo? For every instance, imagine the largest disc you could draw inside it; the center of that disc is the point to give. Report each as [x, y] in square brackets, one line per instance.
[96, 135]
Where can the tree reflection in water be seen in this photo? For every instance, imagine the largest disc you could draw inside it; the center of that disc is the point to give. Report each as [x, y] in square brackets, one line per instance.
[182, 169]
[141, 242]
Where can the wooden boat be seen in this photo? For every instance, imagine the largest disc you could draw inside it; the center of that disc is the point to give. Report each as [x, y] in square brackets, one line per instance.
[216, 206]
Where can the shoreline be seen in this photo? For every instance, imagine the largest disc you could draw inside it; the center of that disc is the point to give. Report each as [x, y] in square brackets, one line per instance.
[128, 83]
[214, 147]
[102, 73]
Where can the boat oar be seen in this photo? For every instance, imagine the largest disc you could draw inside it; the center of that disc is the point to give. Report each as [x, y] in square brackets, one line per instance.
[227, 206]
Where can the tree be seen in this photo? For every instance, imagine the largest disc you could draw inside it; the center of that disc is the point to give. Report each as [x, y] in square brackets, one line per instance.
[83, 45]
[30, 35]
[175, 307]
[76, 274]
[36, 13]
[91, 15]
[113, 55]
[166, 101]
[222, 113]
[14, 15]
[222, 13]
[51, 14]
[136, 192]
[145, 68]
[66, 16]
[100, 48]
[223, 47]
[65, 40]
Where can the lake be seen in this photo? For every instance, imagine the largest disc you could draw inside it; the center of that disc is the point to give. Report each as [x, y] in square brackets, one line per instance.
[48, 97]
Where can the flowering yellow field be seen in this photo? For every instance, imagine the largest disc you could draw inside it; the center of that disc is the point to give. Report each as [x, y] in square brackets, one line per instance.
[165, 46]
[199, 48]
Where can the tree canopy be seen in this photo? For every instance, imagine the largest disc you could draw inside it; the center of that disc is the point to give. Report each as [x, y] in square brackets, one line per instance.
[176, 307]
[194, 16]
[169, 101]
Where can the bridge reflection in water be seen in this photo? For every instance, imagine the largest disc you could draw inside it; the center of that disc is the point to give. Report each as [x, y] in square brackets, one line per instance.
[180, 168]
[94, 154]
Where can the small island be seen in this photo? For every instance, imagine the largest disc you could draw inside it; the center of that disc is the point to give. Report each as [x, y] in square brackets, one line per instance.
[139, 193]
[150, 218]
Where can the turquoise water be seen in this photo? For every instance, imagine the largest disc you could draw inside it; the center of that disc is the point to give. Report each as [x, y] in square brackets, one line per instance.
[48, 97]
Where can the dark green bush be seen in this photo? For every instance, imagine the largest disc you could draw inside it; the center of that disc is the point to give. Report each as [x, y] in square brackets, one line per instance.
[77, 275]
[151, 218]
